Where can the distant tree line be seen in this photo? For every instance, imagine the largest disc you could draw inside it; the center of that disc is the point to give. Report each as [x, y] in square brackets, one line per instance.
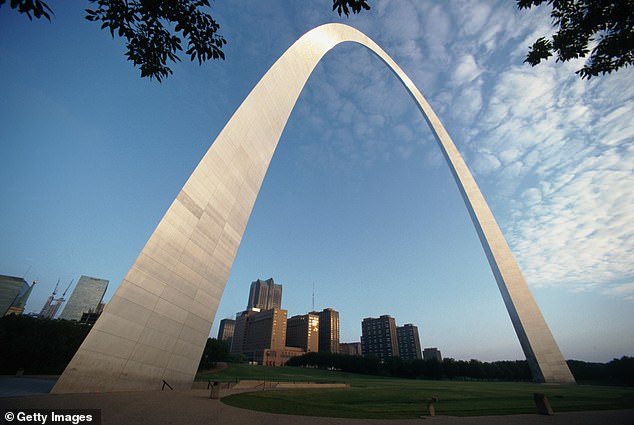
[43, 346]
[419, 369]
[38, 346]
[616, 372]
[215, 351]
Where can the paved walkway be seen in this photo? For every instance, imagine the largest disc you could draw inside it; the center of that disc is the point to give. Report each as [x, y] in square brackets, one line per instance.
[12, 386]
[194, 407]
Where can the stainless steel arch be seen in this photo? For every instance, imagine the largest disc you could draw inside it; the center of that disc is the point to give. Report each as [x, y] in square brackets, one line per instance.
[156, 324]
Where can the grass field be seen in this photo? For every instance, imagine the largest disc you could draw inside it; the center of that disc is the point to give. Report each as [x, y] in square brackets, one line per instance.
[385, 398]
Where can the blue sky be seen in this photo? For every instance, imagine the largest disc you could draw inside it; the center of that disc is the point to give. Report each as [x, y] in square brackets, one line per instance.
[358, 200]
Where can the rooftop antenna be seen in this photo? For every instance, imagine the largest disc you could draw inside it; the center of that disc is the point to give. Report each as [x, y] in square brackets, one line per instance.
[313, 295]
[67, 288]
[28, 270]
[56, 285]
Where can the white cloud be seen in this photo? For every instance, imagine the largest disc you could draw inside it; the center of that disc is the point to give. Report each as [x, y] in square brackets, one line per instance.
[403, 23]
[474, 17]
[437, 34]
[582, 227]
[509, 155]
[467, 103]
[532, 196]
[543, 150]
[486, 163]
[466, 71]
[623, 290]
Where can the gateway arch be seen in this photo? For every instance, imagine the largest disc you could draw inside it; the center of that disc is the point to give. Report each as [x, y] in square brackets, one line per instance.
[156, 324]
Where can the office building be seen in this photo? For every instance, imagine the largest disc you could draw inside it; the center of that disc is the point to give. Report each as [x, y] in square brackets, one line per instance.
[432, 354]
[261, 337]
[265, 295]
[379, 338]
[225, 331]
[18, 305]
[408, 342]
[11, 288]
[86, 298]
[328, 330]
[265, 330]
[14, 293]
[240, 331]
[302, 331]
[350, 348]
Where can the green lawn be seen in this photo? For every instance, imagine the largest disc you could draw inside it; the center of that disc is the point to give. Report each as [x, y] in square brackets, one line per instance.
[242, 371]
[376, 397]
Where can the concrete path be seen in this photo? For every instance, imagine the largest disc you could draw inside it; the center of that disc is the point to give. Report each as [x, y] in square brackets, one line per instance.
[12, 386]
[194, 407]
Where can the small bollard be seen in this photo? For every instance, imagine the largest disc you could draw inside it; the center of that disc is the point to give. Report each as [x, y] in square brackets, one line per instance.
[431, 409]
[543, 405]
[215, 390]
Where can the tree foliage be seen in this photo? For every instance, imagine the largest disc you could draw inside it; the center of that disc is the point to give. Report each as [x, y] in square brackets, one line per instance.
[31, 8]
[604, 29]
[600, 30]
[215, 351]
[153, 28]
[616, 372]
[426, 369]
[38, 346]
[346, 6]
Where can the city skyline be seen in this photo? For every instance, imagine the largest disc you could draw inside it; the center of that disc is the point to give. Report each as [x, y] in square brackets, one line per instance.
[554, 183]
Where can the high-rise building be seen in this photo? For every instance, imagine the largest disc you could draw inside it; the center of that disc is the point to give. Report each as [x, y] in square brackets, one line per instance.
[261, 336]
[265, 295]
[86, 298]
[302, 331]
[350, 348]
[432, 354]
[52, 305]
[328, 331]
[265, 330]
[408, 342]
[379, 338]
[50, 308]
[240, 330]
[225, 331]
[14, 292]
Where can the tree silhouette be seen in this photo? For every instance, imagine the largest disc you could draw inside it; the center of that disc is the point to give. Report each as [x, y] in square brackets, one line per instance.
[150, 41]
[345, 6]
[31, 8]
[608, 25]
[154, 30]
